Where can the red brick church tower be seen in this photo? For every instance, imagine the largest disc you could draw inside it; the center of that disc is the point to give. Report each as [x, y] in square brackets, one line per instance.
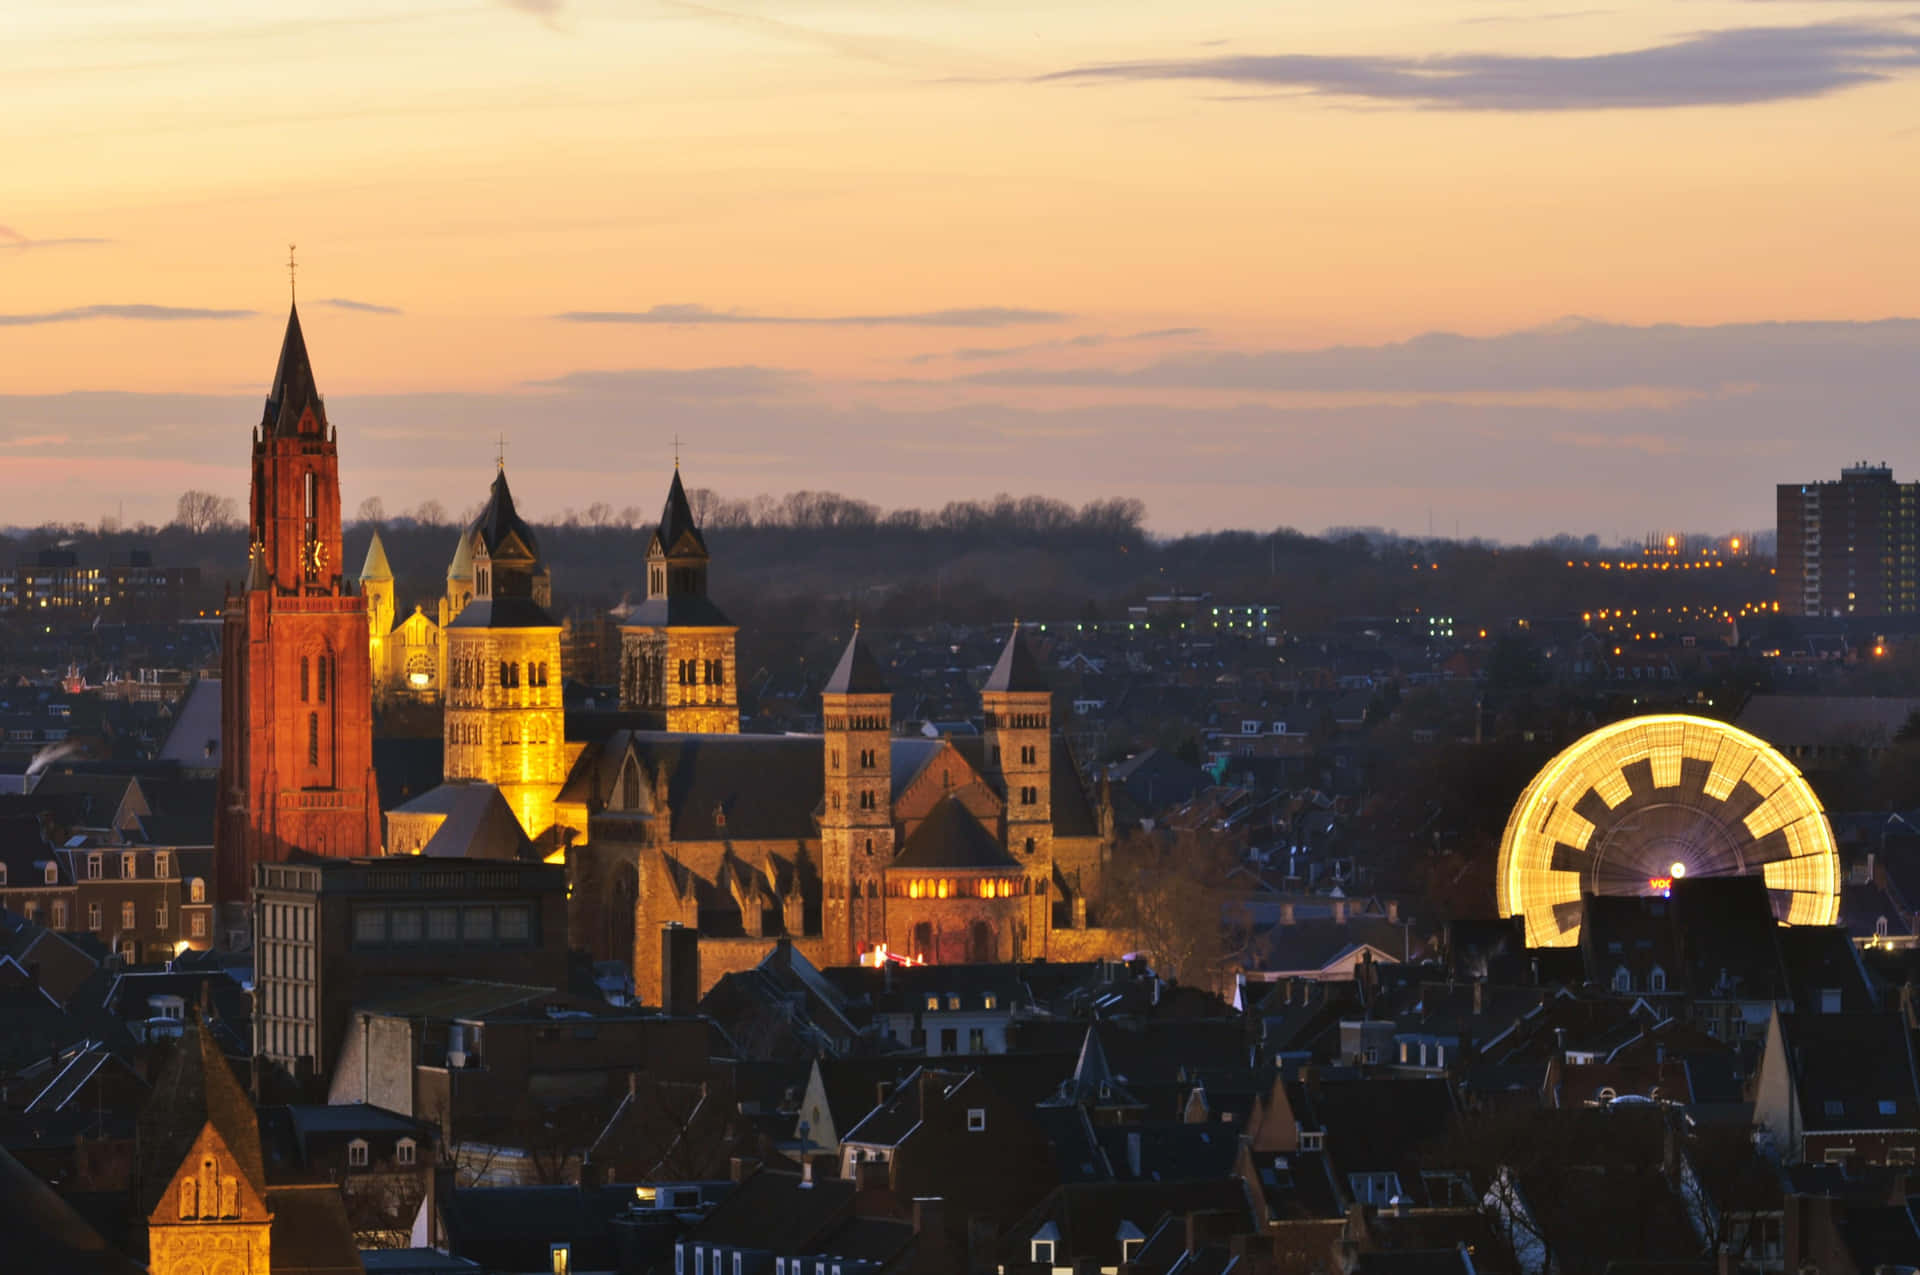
[297, 727]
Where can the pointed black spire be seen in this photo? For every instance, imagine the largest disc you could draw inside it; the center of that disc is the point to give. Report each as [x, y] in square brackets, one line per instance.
[293, 391]
[499, 519]
[676, 520]
[1017, 671]
[858, 673]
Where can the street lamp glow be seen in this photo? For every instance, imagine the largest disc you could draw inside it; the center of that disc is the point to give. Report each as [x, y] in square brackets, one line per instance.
[1678, 869]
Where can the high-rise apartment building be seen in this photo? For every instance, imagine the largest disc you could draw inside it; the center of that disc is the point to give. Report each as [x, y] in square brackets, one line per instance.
[1850, 547]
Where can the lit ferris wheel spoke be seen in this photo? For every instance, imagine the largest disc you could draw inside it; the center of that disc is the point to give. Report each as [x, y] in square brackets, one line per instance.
[1634, 806]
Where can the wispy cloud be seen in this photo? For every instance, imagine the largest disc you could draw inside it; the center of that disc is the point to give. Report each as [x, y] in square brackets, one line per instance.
[548, 11]
[1572, 354]
[743, 381]
[142, 313]
[360, 307]
[12, 240]
[1738, 66]
[1091, 340]
[977, 317]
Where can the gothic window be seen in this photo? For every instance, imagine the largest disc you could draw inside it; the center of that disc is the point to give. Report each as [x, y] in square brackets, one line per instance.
[630, 788]
[320, 679]
[188, 1210]
[303, 679]
[313, 739]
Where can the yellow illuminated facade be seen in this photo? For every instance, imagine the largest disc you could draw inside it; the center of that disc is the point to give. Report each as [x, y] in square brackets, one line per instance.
[1635, 804]
[504, 723]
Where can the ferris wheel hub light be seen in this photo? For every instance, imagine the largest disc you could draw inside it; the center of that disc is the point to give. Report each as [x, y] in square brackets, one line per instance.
[1679, 869]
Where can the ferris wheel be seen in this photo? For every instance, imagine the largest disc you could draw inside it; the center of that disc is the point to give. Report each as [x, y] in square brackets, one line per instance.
[1634, 806]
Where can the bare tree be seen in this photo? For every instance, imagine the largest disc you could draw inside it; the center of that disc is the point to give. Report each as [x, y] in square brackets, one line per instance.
[430, 513]
[1171, 892]
[599, 515]
[373, 509]
[202, 511]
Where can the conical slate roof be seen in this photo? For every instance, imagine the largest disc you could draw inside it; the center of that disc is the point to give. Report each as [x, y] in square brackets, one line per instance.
[461, 568]
[499, 520]
[293, 390]
[676, 519]
[1017, 670]
[375, 567]
[857, 673]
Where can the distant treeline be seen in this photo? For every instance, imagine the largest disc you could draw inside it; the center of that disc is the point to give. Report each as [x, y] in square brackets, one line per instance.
[814, 561]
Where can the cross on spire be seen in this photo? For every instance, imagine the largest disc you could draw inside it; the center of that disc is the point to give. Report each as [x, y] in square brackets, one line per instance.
[291, 266]
[676, 451]
[500, 455]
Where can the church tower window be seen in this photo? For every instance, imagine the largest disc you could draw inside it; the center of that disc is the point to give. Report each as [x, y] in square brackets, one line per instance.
[313, 739]
[303, 679]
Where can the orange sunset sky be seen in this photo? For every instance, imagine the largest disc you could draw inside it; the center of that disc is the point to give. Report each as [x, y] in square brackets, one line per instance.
[1516, 268]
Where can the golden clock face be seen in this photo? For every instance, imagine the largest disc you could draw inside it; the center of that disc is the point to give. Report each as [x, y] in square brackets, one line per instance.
[316, 556]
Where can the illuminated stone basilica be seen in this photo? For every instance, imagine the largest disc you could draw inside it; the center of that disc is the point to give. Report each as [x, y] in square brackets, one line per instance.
[848, 844]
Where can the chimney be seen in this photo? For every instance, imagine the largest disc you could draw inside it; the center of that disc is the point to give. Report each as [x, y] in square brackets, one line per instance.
[874, 1175]
[1393, 911]
[928, 1214]
[1479, 996]
[1286, 914]
[1339, 911]
[806, 1171]
[1208, 1226]
[679, 969]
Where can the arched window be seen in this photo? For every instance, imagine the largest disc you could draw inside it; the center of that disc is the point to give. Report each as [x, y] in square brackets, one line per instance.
[320, 679]
[303, 679]
[188, 1207]
[1622, 980]
[719, 673]
[196, 891]
[313, 739]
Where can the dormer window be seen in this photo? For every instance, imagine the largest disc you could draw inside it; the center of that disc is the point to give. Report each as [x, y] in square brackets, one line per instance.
[1657, 980]
[162, 863]
[93, 866]
[933, 1002]
[126, 866]
[1622, 980]
[52, 874]
[404, 1150]
[357, 1153]
[1045, 1245]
